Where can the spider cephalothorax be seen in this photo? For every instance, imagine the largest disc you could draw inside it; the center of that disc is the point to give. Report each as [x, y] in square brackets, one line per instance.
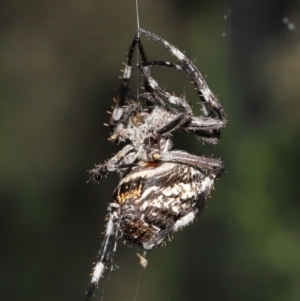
[161, 190]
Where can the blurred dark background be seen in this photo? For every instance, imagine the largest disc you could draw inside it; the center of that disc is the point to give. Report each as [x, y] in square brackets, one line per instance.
[60, 63]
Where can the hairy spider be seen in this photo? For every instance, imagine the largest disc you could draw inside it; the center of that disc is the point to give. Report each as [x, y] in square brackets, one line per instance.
[161, 190]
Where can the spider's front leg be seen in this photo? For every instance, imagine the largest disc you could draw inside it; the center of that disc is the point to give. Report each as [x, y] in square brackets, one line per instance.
[112, 165]
[159, 94]
[206, 129]
[121, 100]
[175, 123]
[123, 91]
[211, 105]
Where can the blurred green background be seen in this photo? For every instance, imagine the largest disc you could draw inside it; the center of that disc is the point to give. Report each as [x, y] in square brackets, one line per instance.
[60, 63]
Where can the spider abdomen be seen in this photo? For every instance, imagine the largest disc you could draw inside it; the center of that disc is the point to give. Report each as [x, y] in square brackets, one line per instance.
[154, 203]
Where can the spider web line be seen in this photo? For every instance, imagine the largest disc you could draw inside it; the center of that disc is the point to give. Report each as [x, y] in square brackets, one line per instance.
[137, 53]
[137, 14]
[137, 92]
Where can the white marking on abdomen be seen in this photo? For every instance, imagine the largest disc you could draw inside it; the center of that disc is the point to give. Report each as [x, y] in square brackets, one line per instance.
[184, 221]
[206, 184]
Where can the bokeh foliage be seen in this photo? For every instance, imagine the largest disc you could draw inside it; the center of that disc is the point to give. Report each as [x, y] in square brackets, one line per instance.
[59, 66]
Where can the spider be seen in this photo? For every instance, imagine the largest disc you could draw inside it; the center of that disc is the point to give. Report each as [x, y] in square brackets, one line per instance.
[161, 190]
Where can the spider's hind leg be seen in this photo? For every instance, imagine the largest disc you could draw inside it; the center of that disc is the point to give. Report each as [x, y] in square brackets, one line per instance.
[163, 234]
[104, 254]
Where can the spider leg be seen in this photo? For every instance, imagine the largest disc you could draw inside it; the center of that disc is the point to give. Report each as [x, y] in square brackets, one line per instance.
[148, 95]
[210, 103]
[211, 137]
[144, 66]
[160, 137]
[160, 93]
[205, 129]
[210, 166]
[104, 253]
[162, 64]
[113, 164]
[150, 99]
[157, 239]
[121, 98]
[175, 123]
[144, 60]
[180, 223]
